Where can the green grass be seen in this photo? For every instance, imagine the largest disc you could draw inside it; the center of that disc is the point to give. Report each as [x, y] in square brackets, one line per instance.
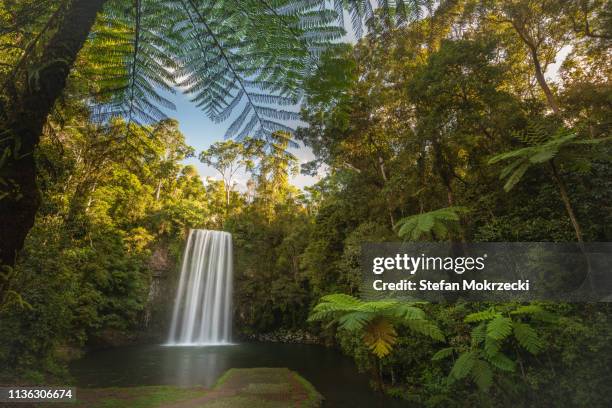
[133, 397]
[236, 388]
[314, 398]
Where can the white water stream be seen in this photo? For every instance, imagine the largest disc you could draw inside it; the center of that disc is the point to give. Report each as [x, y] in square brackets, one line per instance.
[202, 308]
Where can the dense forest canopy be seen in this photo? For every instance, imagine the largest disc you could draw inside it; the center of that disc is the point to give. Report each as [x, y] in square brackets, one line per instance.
[463, 121]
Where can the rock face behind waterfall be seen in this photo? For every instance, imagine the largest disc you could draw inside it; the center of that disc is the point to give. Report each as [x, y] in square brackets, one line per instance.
[163, 268]
[202, 313]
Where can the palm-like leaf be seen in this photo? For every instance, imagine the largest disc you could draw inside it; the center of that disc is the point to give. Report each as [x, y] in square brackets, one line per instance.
[363, 12]
[240, 60]
[258, 53]
[380, 336]
[437, 222]
[376, 320]
[133, 52]
[542, 149]
[488, 337]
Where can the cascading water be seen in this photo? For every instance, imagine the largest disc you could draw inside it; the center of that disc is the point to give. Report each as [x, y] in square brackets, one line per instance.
[202, 308]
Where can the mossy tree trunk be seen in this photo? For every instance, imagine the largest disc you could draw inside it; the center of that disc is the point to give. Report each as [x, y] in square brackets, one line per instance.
[24, 109]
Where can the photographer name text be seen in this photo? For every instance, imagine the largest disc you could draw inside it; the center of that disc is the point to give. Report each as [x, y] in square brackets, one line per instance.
[442, 285]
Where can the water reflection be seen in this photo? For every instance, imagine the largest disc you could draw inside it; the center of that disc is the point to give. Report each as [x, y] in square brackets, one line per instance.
[191, 366]
[333, 374]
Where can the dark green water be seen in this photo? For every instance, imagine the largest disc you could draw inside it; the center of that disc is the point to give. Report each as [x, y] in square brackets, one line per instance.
[334, 375]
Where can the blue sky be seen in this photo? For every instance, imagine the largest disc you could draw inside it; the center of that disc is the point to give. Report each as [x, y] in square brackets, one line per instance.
[200, 132]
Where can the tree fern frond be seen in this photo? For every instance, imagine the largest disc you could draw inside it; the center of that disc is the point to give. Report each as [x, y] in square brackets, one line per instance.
[425, 327]
[478, 334]
[134, 60]
[409, 312]
[481, 316]
[354, 320]
[527, 337]
[380, 336]
[499, 328]
[482, 374]
[414, 227]
[443, 353]
[501, 361]
[491, 346]
[463, 365]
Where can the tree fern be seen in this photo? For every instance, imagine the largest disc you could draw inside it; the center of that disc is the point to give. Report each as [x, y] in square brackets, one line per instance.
[243, 61]
[435, 223]
[375, 320]
[482, 374]
[237, 60]
[380, 336]
[543, 148]
[499, 328]
[443, 353]
[363, 12]
[527, 337]
[463, 365]
[133, 54]
[486, 354]
[482, 315]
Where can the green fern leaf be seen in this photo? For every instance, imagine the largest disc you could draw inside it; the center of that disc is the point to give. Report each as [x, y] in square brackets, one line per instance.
[501, 361]
[478, 334]
[499, 328]
[354, 321]
[425, 327]
[408, 312]
[482, 375]
[443, 353]
[481, 316]
[516, 176]
[463, 365]
[491, 346]
[527, 310]
[438, 221]
[527, 337]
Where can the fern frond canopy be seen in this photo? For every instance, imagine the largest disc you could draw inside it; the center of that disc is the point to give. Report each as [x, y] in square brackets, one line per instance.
[376, 320]
[434, 224]
[238, 61]
[542, 148]
[496, 328]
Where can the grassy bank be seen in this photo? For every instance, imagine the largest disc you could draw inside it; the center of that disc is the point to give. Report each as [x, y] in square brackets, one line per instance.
[245, 387]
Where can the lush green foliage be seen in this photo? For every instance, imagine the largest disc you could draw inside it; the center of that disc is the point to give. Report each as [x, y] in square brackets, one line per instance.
[376, 320]
[413, 125]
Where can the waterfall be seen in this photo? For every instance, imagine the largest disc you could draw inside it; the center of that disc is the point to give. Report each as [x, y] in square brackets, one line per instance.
[202, 312]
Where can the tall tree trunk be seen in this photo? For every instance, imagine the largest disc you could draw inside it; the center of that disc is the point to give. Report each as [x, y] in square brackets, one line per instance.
[158, 189]
[531, 43]
[383, 172]
[566, 201]
[227, 195]
[572, 216]
[444, 171]
[539, 73]
[554, 106]
[23, 117]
